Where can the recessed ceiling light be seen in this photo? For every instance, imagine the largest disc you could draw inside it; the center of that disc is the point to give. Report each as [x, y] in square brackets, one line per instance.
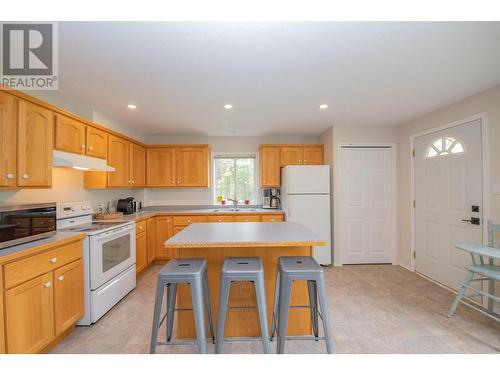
[228, 106]
[132, 106]
[323, 106]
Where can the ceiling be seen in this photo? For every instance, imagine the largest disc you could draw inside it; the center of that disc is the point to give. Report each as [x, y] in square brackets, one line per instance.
[275, 75]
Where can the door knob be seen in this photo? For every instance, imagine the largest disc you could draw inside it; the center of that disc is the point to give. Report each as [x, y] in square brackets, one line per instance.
[9, 176]
[91, 148]
[47, 284]
[53, 260]
[60, 278]
[25, 176]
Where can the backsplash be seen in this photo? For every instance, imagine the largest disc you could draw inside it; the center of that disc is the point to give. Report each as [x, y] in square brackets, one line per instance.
[67, 186]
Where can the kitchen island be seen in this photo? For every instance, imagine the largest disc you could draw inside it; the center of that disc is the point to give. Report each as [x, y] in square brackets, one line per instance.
[218, 241]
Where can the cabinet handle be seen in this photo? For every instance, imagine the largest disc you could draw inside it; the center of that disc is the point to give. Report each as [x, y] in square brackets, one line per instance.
[189, 221]
[82, 146]
[140, 228]
[220, 221]
[60, 278]
[53, 260]
[47, 284]
[177, 181]
[133, 182]
[42, 222]
[9, 176]
[91, 148]
[25, 176]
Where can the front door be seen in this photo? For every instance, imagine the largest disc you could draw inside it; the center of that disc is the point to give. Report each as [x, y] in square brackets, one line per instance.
[448, 193]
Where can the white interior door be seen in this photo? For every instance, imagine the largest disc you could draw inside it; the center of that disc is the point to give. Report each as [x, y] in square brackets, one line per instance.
[366, 222]
[448, 182]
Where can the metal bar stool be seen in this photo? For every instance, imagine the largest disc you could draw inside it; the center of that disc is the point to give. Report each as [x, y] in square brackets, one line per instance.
[242, 269]
[289, 270]
[194, 273]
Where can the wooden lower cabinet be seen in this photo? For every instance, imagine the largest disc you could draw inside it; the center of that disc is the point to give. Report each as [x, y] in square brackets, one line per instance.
[271, 218]
[247, 218]
[141, 252]
[150, 230]
[2, 329]
[43, 303]
[163, 231]
[29, 315]
[68, 295]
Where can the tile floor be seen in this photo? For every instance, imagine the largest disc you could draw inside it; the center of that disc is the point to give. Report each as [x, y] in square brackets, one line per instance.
[373, 309]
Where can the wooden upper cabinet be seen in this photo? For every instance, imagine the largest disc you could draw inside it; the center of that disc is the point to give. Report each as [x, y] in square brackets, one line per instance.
[291, 155]
[97, 143]
[8, 140]
[69, 135]
[119, 158]
[192, 166]
[269, 157]
[68, 295]
[312, 154]
[29, 315]
[35, 136]
[137, 165]
[160, 167]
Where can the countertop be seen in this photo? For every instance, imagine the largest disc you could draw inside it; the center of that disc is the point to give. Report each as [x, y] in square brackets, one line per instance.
[213, 235]
[186, 210]
[39, 245]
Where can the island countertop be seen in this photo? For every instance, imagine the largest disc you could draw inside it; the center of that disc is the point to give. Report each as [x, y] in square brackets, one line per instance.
[217, 235]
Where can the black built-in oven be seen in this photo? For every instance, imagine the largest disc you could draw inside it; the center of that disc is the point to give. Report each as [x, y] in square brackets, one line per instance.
[28, 222]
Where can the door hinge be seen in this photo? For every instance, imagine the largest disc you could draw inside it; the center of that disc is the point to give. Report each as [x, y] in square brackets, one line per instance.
[414, 254]
[414, 204]
[413, 152]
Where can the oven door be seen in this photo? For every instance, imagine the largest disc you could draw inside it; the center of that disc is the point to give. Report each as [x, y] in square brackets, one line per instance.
[111, 253]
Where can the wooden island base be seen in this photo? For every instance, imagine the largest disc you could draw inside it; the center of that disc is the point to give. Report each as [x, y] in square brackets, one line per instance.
[245, 322]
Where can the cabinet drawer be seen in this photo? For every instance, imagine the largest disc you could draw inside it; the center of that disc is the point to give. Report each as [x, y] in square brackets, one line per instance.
[40, 222]
[186, 220]
[21, 222]
[25, 269]
[272, 218]
[247, 218]
[140, 226]
[221, 219]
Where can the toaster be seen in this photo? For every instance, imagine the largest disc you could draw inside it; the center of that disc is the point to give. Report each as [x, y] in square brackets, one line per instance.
[125, 205]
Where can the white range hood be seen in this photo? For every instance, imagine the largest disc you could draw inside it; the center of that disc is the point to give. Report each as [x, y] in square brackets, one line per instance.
[82, 162]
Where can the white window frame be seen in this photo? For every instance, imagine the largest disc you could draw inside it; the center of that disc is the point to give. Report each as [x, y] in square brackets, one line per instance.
[229, 155]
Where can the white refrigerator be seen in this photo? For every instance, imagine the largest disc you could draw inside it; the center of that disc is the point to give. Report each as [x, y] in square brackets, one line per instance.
[305, 198]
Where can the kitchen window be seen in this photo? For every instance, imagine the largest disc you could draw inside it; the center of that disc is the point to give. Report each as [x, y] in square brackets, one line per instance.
[235, 176]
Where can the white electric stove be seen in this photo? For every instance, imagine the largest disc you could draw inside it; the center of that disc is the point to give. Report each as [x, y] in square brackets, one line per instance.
[108, 255]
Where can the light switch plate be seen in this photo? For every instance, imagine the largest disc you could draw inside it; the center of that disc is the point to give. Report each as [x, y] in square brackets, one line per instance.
[496, 189]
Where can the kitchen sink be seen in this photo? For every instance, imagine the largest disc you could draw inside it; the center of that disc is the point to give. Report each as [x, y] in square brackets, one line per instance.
[234, 210]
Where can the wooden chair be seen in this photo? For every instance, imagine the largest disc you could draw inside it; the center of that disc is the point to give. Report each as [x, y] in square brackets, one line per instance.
[487, 271]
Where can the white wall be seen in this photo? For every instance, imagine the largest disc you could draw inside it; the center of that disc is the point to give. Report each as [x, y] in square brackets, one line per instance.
[329, 148]
[67, 186]
[362, 134]
[219, 145]
[488, 102]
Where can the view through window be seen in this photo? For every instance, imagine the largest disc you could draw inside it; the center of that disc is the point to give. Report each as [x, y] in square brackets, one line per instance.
[234, 176]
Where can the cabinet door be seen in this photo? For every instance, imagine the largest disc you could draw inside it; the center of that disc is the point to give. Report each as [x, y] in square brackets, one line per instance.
[192, 166]
[118, 157]
[271, 218]
[137, 165]
[70, 135]
[68, 295]
[2, 332]
[150, 230]
[97, 143]
[269, 166]
[29, 315]
[141, 255]
[160, 167]
[163, 230]
[313, 154]
[35, 135]
[291, 155]
[8, 140]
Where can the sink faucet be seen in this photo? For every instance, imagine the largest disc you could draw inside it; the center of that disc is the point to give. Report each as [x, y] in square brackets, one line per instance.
[235, 202]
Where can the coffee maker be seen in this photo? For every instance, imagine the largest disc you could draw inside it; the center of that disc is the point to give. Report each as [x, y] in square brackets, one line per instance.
[271, 198]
